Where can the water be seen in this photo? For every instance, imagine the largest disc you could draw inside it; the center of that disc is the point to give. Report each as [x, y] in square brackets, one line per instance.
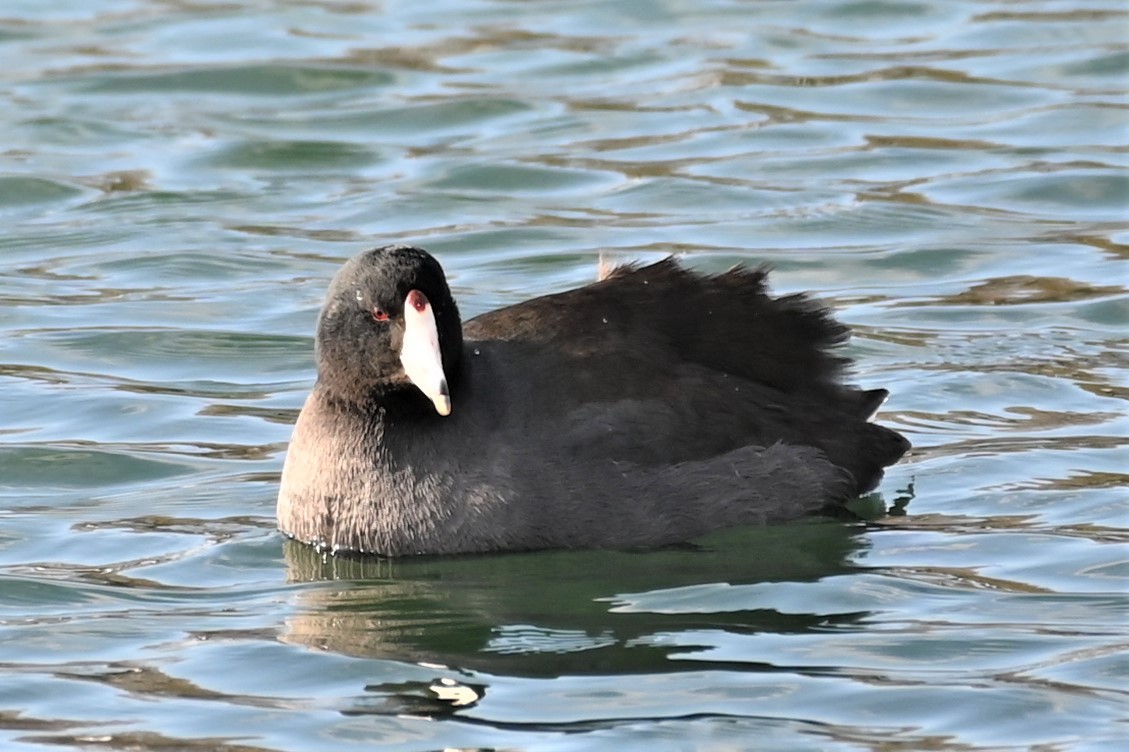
[178, 181]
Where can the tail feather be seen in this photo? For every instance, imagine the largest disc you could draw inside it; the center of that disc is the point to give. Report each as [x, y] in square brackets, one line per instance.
[879, 448]
[870, 402]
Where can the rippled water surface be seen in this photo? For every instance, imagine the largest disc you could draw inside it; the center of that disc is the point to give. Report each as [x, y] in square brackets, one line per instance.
[179, 180]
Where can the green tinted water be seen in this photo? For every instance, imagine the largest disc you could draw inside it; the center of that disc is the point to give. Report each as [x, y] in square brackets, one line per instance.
[179, 181]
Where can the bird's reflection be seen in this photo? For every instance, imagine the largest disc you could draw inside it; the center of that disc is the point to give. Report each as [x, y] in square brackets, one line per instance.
[567, 612]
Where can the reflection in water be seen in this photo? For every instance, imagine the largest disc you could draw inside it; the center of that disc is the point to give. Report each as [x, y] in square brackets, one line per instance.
[527, 614]
[534, 615]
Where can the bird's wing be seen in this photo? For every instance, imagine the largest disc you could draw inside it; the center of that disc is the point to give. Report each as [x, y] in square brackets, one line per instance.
[665, 314]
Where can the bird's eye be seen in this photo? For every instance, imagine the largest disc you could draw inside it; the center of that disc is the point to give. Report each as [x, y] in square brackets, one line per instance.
[379, 314]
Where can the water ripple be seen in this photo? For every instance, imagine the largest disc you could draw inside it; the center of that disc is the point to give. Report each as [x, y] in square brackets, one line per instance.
[179, 182]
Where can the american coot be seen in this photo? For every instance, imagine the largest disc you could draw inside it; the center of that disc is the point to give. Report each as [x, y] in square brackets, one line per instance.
[642, 410]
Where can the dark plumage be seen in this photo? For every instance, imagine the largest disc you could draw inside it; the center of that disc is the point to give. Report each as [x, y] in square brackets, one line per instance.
[643, 410]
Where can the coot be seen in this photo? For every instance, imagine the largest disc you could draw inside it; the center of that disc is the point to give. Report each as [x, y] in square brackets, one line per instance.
[643, 410]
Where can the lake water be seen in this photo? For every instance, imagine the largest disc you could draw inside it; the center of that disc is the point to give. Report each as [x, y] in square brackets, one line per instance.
[179, 180]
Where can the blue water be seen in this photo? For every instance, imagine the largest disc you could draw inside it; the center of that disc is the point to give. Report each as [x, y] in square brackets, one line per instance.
[179, 181]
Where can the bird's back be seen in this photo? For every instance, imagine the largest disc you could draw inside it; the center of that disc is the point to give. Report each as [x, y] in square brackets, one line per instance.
[660, 365]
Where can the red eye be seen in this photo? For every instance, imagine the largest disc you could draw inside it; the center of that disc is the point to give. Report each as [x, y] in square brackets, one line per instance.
[379, 314]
